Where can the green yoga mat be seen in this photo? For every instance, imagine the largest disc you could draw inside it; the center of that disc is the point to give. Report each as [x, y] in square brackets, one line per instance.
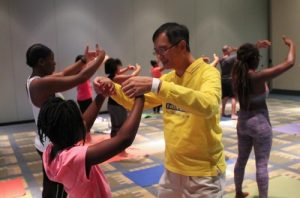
[279, 187]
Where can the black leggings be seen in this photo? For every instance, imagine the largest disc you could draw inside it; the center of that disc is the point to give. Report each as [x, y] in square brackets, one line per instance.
[84, 104]
[51, 189]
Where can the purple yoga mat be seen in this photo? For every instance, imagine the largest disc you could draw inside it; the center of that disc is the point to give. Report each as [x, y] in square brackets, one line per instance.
[292, 129]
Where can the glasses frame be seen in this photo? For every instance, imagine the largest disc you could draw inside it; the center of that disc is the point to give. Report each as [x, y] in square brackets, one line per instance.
[163, 51]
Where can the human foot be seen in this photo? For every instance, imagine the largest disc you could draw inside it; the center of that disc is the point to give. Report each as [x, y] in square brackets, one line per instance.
[234, 117]
[241, 195]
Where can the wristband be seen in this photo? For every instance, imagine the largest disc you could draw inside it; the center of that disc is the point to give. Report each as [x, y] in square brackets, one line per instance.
[83, 60]
[155, 85]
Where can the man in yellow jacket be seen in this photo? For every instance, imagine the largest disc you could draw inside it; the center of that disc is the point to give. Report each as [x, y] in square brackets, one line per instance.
[190, 96]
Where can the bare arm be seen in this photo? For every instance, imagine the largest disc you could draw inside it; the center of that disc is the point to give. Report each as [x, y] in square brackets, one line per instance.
[107, 88]
[121, 78]
[92, 111]
[215, 61]
[71, 69]
[137, 70]
[79, 65]
[106, 149]
[269, 73]
[123, 70]
[42, 88]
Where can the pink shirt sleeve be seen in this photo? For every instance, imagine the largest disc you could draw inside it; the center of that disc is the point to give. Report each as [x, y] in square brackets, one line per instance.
[68, 167]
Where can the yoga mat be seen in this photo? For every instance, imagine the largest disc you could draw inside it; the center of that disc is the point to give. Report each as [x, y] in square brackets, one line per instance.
[279, 187]
[292, 129]
[228, 122]
[147, 115]
[146, 177]
[12, 188]
[132, 152]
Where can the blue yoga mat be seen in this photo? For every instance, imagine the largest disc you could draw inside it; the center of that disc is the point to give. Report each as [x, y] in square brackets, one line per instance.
[146, 177]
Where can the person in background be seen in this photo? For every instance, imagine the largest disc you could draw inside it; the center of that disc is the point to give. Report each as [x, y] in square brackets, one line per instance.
[84, 92]
[226, 65]
[44, 83]
[118, 114]
[253, 127]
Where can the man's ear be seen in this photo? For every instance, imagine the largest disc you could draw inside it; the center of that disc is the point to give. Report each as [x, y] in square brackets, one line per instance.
[182, 45]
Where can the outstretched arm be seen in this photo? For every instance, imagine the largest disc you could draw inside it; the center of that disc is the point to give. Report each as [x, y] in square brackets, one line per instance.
[269, 73]
[79, 65]
[107, 88]
[263, 43]
[121, 78]
[106, 149]
[42, 88]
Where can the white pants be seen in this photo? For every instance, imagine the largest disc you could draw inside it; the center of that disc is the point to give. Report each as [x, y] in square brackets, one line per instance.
[173, 185]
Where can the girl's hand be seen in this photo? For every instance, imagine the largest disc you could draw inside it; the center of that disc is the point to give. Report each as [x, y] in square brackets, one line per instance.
[91, 55]
[131, 67]
[104, 86]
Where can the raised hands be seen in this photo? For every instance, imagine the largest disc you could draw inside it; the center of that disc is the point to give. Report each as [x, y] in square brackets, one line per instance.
[263, 43]
[287, 40]
[91, 55]
[104, 86]
[137, 85]
[205, 58]
[131, 67]
[291, 56]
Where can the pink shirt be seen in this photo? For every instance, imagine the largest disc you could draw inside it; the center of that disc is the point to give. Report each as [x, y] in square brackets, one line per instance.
[84, 91]
[68, 168]
[155, 71]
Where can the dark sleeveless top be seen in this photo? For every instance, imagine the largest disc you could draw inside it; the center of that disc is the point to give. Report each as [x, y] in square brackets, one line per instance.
[110, 100]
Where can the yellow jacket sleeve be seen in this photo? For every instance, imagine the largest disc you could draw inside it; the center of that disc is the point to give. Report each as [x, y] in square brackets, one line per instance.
[151, 99]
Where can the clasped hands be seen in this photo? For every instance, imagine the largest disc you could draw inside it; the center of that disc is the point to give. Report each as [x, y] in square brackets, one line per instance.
[132, 87]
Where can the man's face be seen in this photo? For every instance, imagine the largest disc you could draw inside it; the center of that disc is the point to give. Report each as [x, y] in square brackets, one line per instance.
[167, 53]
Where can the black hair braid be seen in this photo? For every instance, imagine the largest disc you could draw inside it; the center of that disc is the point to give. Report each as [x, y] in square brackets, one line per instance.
[62, 123]
[241, 83]
[247, 58]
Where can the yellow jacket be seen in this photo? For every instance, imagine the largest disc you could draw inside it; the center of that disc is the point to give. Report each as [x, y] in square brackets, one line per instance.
[191, 119]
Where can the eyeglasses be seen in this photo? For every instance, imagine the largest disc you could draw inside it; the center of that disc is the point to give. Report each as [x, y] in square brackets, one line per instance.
[163, 51]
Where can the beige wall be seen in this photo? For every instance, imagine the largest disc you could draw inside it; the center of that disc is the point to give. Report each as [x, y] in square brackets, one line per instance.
[123, 27]
[285, 17]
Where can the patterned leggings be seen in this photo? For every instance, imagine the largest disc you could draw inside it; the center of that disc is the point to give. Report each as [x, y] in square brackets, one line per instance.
[254, 130]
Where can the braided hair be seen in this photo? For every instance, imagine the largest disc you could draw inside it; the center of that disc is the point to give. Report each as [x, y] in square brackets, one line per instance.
[247, 58]
[61, 121]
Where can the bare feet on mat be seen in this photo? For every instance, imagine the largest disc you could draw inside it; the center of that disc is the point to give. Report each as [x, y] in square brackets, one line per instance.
[241, 195]
[234, 117]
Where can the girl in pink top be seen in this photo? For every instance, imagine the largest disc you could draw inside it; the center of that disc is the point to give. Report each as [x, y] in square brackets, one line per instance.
[68, 160]
[84, 92]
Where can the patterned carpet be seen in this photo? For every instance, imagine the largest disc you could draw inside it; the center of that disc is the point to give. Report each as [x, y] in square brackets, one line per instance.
[18, 158]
